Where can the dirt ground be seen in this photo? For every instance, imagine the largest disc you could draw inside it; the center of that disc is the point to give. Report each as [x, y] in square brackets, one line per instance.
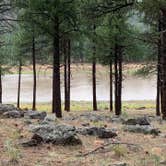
[148, 150]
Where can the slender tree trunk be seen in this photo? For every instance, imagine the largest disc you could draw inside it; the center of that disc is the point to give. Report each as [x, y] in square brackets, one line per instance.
[94, 73]
[0, 84]
[34, 73]
[116, 79]
[158, 97]
[158, 102]
[56, 104]
[120, 81]
[163, 63]
[65, 76]
[69, 75]
[111, 87]
[94, 85]
[19, 84]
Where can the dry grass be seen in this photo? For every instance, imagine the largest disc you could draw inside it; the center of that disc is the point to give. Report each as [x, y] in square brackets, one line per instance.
[128, 68]
[152, 152]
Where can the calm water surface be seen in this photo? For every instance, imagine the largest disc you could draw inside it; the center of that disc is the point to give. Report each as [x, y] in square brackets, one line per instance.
[134, 88]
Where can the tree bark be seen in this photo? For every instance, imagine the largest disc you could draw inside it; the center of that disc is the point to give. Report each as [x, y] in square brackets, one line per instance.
[19, 84]
[56, 104]
[94, 85]
[111, 87]
[65, 75]
[68, 76]
[116, 79]
[94, 73]
[120, 81]
[34, 73]
[163, 63]
[158, 102]
[0, 84]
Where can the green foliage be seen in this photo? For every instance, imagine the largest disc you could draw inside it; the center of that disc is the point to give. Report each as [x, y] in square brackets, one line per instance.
[76, 19]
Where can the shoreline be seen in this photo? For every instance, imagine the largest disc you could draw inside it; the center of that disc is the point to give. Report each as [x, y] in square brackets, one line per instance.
[102, 105]
[128, 68]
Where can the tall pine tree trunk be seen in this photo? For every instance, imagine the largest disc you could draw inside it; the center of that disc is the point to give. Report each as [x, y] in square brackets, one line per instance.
[158, 74]
[94, 73]
[116, 78]
[34, 73]
[56, 103]
[120, 80]
[0, 84]
[19, 84]
[94, 85]
[65, 75]
[111, 87]
[163, 63]
[68, 75]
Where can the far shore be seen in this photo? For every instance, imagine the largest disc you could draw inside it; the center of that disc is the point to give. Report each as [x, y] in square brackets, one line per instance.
[141, 106]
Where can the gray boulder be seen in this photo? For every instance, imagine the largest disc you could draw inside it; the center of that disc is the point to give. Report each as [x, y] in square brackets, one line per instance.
[137, 121]
[13, 114]
[94, 117]
[100, 132]
[58, 134]
[117, 119]
[35, 115]
[6, 108]
[50, 118]
[142, 129]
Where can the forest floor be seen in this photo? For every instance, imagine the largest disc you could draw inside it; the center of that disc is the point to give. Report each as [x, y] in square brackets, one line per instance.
[149, 150]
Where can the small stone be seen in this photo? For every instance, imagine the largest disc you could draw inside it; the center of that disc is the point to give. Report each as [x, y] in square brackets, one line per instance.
[29, 143]
[85, 124]
[27, 121]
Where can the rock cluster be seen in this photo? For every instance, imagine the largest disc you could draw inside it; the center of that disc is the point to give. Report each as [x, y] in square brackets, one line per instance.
[100, 132]
[137, 121]
[10, 111]
[140, 125]
[7, 108]
[58, 134]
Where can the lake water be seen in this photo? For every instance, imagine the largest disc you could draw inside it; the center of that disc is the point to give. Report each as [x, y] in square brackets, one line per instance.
[134, 88]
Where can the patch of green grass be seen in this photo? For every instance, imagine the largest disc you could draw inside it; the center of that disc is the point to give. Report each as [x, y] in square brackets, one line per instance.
[102, 105]
[75, 106]
[138, 104]
[119, 150]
